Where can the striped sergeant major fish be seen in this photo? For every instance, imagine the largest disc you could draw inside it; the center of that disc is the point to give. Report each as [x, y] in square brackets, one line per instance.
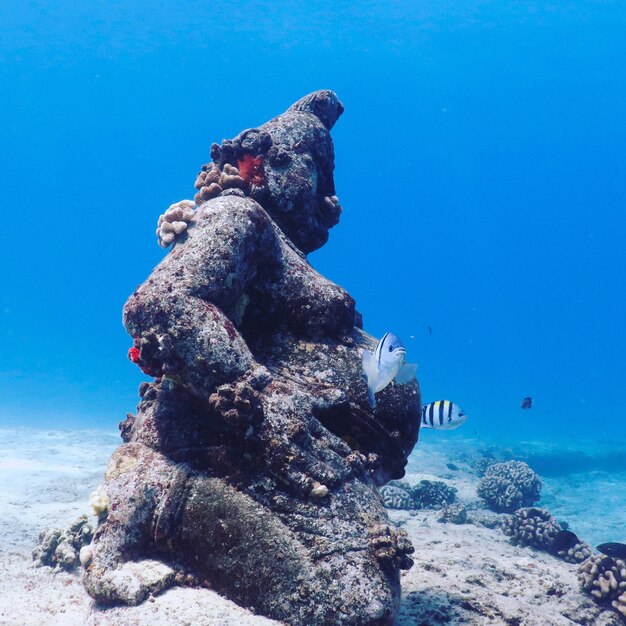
[442, 415]
[386, 364]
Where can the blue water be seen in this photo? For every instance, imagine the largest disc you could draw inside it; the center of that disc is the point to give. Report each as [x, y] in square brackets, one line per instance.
[480, 164]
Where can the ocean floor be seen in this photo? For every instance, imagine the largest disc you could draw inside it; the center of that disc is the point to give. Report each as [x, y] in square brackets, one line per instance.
[463, 574]
[584, 482]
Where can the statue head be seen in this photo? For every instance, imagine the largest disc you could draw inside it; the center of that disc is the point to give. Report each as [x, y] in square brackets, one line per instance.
[288, 166]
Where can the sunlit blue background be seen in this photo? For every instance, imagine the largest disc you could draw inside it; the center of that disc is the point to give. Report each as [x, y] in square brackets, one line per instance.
[480, 164]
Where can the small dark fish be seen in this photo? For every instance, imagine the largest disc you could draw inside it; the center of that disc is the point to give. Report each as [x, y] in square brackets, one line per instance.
[527, 403]
[430, 330]
[617, 550]
[564, 540]
[452, 466]
[606, 563]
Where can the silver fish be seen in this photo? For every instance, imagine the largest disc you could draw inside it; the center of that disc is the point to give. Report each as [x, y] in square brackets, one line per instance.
[442, 415]
[386, 364]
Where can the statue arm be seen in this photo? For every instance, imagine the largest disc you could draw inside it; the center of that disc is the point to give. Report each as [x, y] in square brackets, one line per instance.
[180, 316]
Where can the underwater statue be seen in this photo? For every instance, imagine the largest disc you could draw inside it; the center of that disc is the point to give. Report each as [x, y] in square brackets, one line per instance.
[254, 459]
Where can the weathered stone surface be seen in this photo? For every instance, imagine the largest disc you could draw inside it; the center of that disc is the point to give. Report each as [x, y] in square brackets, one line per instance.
[254, 457]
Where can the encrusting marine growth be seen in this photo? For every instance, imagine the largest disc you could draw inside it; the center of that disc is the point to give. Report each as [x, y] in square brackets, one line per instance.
[254, 458]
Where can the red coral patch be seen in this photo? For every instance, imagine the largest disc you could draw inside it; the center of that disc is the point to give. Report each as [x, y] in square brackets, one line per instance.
[251, 169]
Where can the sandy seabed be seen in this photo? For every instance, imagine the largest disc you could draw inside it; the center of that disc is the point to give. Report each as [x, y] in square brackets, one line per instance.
[463, 574]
